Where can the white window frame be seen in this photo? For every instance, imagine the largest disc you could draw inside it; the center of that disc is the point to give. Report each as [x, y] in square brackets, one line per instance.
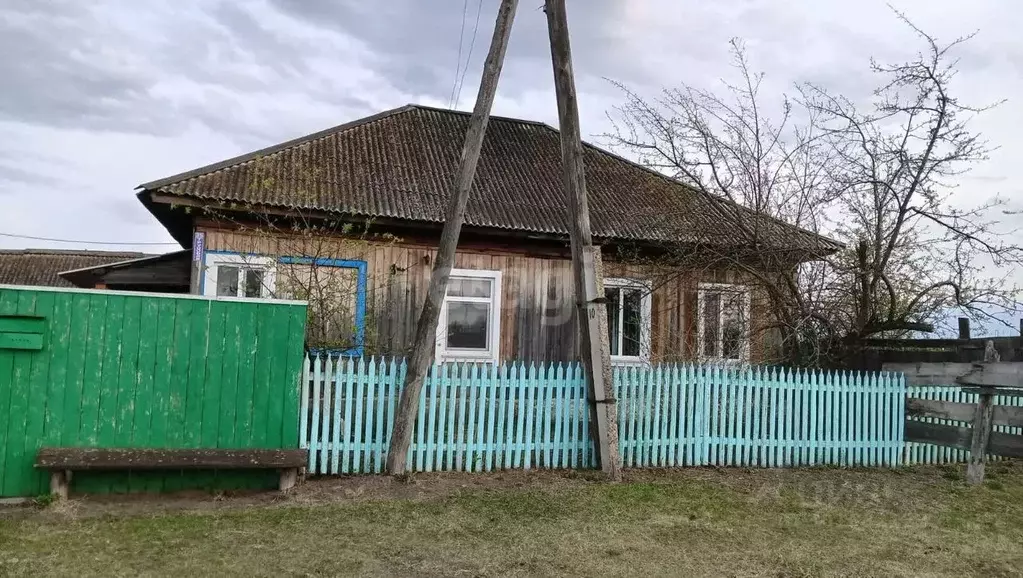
[265, 264]
[493, 352]
[645, 320]
[744, 348]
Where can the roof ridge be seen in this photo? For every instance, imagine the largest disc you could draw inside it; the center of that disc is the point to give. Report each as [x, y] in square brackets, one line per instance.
[273, 149]
[492, 117]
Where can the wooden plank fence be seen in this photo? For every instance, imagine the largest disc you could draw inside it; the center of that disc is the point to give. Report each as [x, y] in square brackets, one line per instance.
[928, 453]
[476, 417]
[115, 369]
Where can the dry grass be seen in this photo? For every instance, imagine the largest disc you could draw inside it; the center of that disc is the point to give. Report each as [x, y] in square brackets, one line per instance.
[826, 522]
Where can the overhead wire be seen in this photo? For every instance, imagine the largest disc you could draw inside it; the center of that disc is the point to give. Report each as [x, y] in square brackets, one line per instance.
[468, 59]
[458, 60]
[55, 240]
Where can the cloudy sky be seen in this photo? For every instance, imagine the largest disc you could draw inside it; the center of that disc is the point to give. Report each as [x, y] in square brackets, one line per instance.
[99, 96]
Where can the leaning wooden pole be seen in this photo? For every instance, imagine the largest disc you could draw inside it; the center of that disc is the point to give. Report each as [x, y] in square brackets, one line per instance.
[426, 330]
[586, 262]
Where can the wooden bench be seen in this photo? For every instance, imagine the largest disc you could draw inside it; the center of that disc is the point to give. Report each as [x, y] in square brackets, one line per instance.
[62, 461]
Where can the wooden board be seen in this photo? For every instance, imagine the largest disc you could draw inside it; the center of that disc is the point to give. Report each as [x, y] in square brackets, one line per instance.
[1003, 444]
[1003, 415]
[938, 434]
[940, 409]
[959, 437]
[1008, 374]
[157, 459]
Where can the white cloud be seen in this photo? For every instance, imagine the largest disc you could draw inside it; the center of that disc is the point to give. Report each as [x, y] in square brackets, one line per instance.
[143, 90]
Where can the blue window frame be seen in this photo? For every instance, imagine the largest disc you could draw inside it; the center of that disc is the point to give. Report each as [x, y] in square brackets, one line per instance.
[360, 299]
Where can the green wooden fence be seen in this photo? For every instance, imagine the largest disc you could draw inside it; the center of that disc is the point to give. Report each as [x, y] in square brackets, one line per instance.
[515, 416]
[118, 369]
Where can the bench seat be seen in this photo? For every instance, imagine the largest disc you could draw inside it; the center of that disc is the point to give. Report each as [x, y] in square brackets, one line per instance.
[61, 461]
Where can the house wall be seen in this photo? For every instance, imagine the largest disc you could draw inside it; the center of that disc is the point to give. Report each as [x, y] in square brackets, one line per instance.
[537, 316]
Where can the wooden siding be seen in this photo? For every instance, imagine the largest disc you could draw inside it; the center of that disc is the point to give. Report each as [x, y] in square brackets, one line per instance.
[537, 317]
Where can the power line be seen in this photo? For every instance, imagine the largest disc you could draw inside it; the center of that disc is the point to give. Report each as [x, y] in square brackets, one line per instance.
[468, 59]
[12, 235]
[458, 61]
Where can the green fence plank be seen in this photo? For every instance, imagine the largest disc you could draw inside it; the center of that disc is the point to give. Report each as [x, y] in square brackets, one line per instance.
[248, 322]
[217, 346]
[290, 358]
[121, 413]
[229, 398]
[38, 394]
[283, 382]
[261, 369]
[14, 473]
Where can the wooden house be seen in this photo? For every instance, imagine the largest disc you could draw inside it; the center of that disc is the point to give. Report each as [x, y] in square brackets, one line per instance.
[358, 209]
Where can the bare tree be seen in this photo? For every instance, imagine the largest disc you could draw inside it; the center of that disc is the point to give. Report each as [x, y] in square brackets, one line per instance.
[920, 253]
[880, 181]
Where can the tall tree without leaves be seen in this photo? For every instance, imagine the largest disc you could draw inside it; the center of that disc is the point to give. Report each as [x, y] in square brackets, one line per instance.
[880, 176]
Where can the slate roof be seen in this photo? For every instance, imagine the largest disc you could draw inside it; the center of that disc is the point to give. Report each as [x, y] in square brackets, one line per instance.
[40, 267]
[398, 164]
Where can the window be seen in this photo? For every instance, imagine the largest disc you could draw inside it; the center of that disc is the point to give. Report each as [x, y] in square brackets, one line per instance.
[628, 320]
[336, 292]
[469, 328]
[232, 275]
[724, 312]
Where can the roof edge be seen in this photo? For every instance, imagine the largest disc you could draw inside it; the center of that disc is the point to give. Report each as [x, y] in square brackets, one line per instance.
[124, 263]
[838, 245]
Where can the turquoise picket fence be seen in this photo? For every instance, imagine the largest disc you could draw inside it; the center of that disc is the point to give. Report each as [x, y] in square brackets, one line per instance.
[917, 453]
[475, 417]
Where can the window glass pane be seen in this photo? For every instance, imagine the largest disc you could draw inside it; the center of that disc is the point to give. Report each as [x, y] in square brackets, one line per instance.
[469, 287]
[227, 281]
[733, 331]
[253, 282]
[633, 320]
[711, 323]
[467, 325]
[613, 295]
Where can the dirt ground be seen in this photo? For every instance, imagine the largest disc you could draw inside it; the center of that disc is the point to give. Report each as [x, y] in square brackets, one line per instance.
[827, 483]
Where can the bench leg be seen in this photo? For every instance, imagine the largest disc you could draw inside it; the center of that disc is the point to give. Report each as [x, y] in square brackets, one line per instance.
[289, 477]
[59, 482]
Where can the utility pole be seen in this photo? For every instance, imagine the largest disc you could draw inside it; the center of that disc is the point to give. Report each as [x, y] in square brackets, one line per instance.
[426, 330]
[587, 269]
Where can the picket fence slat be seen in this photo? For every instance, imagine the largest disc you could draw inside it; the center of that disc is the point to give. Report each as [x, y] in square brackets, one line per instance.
[481, 417]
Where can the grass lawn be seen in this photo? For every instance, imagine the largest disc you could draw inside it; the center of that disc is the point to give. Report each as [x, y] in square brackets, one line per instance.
[825, 522]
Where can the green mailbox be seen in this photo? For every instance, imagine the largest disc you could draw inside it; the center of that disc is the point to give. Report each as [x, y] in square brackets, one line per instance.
[21, 332]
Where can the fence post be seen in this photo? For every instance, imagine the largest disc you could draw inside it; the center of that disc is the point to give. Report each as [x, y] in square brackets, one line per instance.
[964, 328]
[982, 425]
[981, 434]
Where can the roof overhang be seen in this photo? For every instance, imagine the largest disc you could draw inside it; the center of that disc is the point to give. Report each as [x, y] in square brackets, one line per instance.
[89, 277]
